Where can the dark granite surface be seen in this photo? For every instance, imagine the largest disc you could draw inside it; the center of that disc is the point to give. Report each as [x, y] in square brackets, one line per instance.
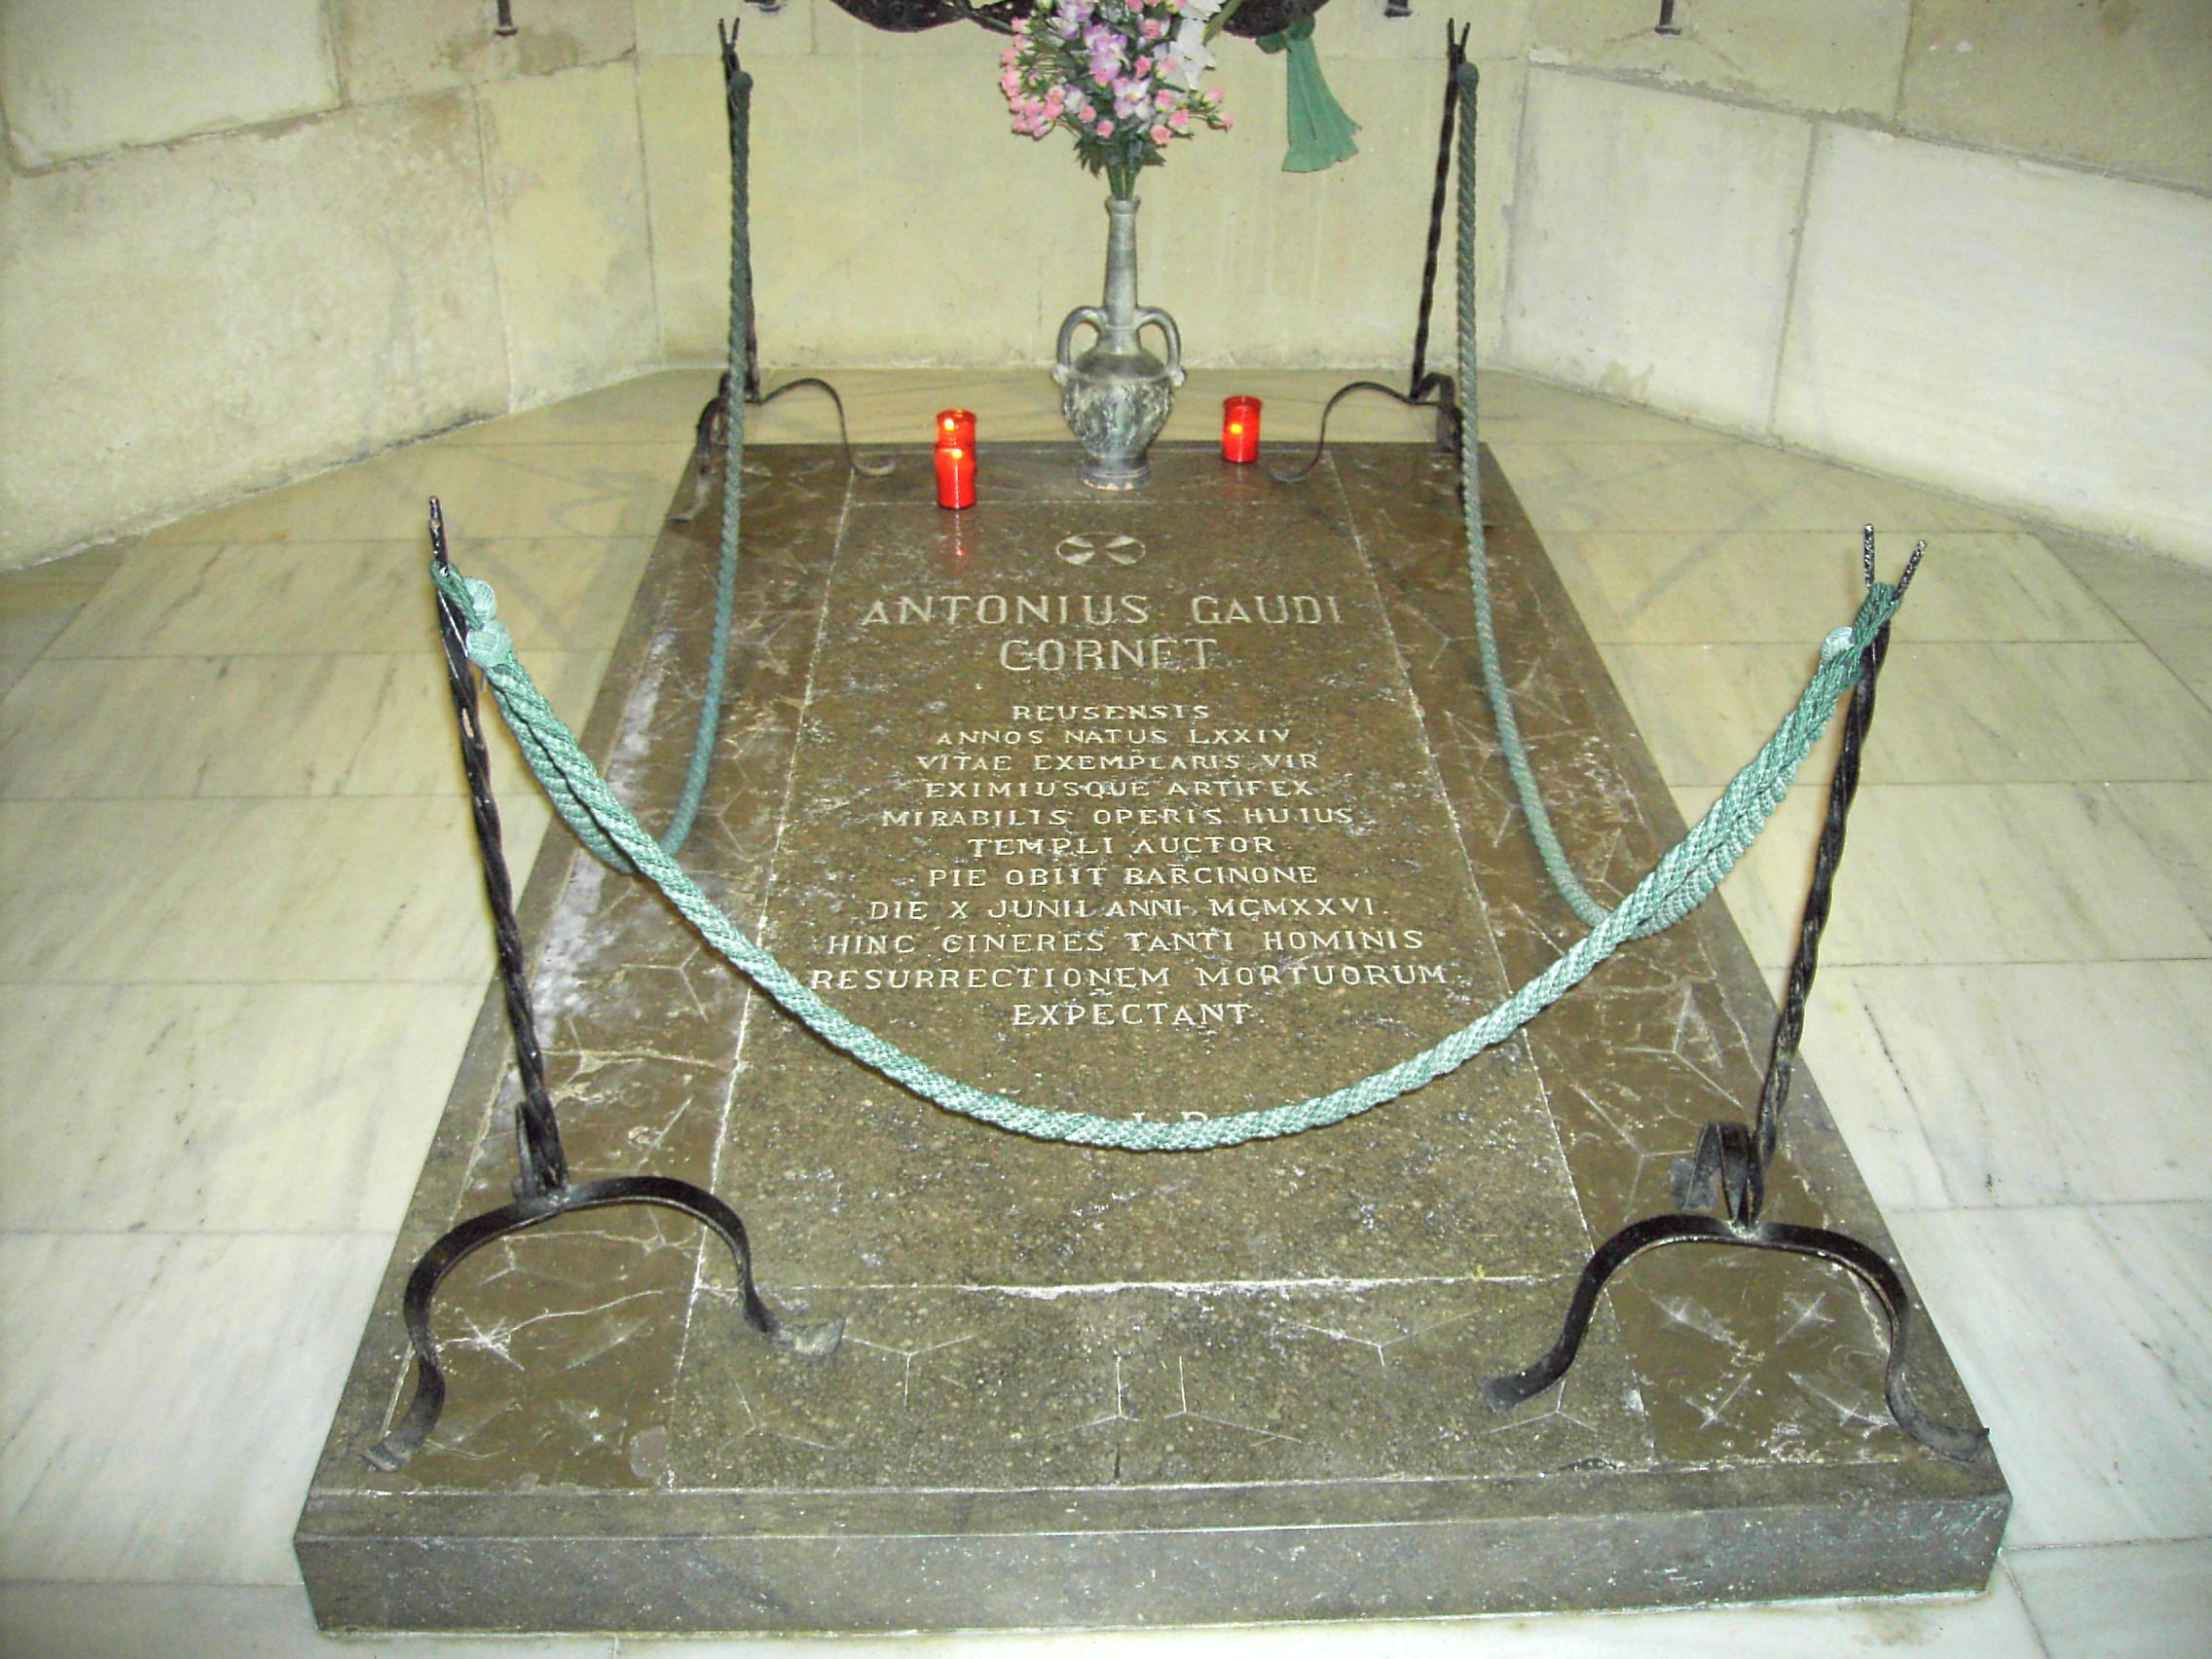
[1085, 1370]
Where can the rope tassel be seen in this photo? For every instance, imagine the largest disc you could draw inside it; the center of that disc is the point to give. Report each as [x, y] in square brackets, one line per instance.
[1320, 132]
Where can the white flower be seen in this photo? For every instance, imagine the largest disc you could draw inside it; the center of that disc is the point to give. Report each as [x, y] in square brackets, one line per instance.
[1185, 58]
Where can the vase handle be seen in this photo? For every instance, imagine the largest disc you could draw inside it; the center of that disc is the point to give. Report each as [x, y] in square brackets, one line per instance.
[1063, 357]
[1152, 314]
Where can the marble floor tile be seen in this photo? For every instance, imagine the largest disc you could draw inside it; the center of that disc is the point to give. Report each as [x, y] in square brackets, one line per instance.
[1992, 1626]
[2188, 653]
[37, 605]
[2165, 600]
[271, 890]
[2084, 1336]
[488, 489]
[2121, 1600]
[165, 728]
[241, 1108]
[2175, 824]
[283, 599]
[1959, 712]
[2167, 603]
[201, 1621]
[2002, 1085]
[1981, 872]
[2147, 591]
[87, 567]
[1790, 587]
[181, 1388]
[1580, 488]
[1520, 407]
[652, 409]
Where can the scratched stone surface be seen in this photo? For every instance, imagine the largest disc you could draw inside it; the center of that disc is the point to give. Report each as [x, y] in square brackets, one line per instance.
[1181, 802]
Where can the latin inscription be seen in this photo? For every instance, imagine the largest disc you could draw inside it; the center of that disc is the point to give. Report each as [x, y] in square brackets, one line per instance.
[1184, 864]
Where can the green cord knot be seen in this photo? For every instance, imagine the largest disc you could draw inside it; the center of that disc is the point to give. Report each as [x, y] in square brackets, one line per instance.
[489, 643]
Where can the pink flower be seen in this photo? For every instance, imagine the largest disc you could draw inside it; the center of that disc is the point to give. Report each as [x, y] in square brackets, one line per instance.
[1163, 99]
[1160, 135]
[1141, 67]
[1226, 119]
[1105, 130]
[1180, 121]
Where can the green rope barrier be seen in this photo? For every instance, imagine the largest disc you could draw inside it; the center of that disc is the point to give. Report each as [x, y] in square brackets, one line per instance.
[1516, 753]
[1677, 883]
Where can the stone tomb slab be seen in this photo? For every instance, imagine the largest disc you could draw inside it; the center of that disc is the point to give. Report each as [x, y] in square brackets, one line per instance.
[1170, 806]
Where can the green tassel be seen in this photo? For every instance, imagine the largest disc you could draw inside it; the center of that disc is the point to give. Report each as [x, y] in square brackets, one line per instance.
[1320, 132]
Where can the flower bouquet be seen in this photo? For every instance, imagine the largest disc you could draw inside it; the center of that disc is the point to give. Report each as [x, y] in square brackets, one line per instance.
[1121, 75]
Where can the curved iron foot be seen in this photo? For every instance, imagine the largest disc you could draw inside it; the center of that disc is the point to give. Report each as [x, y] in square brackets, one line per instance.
[706, 443]
[407, 1435]
[866, 469]
[709, 437]
[1961, 1445]
[1436, 392]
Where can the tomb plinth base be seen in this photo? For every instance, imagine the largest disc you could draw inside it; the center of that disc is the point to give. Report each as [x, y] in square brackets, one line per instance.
[1172, 806]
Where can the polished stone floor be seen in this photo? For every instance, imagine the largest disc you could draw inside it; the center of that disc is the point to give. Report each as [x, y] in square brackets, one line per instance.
[243, 947]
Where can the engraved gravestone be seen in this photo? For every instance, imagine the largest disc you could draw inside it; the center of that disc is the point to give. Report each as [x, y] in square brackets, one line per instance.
[1138, 822]
[1174, 807]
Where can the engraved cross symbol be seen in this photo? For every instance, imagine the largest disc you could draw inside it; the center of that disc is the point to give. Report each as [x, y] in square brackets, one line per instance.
[1081, 549]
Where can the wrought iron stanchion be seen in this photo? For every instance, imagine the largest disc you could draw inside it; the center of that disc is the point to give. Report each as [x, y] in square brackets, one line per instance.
[712, 430]
[1728, 1170]
[1425, 388]
[541, 1187]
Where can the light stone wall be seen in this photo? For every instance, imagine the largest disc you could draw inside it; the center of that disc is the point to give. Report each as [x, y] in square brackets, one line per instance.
[245, 239]
[241, 240]
[1964, 242]
[896, 221]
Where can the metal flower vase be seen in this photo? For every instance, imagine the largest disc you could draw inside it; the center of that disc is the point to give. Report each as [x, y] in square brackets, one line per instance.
[1116, 397]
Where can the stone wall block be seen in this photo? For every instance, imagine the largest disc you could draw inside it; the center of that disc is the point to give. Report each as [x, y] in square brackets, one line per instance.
[179, 327]
[895, 220]
[1360, 29]
[1840, 56]
[2011, 329]
[81, 77]
[566, 178]
[1275, 270]
[680, 107]
[1654, 235]
[2125, 85]
[398, 48]
[685, 28]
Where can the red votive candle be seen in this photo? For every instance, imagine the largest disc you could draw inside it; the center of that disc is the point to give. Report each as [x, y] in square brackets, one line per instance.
[1241, 429]
[955, 476]
[956, 426]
